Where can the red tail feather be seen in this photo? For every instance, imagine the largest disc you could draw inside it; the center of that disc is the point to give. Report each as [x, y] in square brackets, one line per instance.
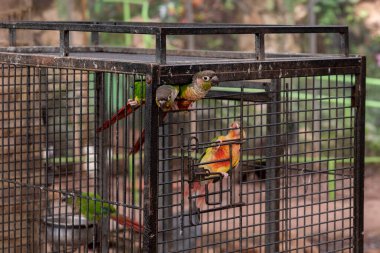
[197, 189]
[122, 113]
[140, 141]
[124, 221]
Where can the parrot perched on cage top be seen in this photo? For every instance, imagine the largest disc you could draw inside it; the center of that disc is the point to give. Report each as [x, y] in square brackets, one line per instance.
[132, 104]
[217, 159]
[165, 99]
[186, 95]
[197, 89]
[174, 97]
[92, 207]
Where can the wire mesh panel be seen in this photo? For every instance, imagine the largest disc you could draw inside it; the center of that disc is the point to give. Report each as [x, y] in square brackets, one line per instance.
[21, 169]
[319, 162]
[183, 227]
[61, 180]
[293, 189]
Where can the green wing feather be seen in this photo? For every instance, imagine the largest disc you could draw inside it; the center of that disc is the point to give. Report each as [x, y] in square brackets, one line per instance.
[139, 88]
[182, 89]
[94, 209]
[208, 150]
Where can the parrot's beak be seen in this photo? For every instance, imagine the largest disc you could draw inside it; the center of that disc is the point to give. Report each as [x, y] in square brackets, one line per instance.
[64, 198]
[235, 124]
[162, 103]
[214, 81]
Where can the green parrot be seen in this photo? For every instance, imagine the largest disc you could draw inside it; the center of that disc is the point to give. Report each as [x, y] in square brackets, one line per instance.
[139, 88]
[92, 207]
[217, 159]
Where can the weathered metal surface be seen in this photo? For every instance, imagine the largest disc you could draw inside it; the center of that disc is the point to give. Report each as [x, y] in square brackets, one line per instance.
[160, 30]
[359, 151]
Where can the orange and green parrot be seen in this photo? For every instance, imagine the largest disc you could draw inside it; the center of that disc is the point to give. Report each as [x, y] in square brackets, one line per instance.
[217, 159]
[93, 208]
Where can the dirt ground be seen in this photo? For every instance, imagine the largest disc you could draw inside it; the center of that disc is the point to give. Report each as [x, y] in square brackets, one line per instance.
[372, 209]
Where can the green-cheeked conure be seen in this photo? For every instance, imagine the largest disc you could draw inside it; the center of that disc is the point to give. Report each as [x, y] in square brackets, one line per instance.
[197, 89]
[185, 95]
[93, 208]
[165, 97]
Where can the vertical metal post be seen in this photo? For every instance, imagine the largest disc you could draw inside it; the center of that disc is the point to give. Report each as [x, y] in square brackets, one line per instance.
[29, 142]
[95, 38]
[151, 165]
[344, 44]
[12, 37]
[272, 183]
[102, 179]
[259, 46]
[161, 48]
[190, 19]
[360, 87]
[64, 42]
[312, 21]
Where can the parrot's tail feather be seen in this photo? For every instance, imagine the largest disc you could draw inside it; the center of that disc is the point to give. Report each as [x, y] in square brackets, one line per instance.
[138, 144]
[124, 221]
[122, 113]
[140, 141]
[198, 189]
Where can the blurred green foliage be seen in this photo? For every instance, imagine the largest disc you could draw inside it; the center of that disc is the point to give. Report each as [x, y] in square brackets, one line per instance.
[361, 42]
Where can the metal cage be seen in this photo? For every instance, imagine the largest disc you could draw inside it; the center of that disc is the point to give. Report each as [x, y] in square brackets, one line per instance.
[297, 188]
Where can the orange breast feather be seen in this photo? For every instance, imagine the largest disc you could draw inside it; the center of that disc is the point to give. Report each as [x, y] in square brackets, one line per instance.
[223, 153]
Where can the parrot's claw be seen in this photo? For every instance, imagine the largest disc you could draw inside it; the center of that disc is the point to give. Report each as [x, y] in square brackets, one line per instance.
[219, 143]
[132, 102]
[225, 175]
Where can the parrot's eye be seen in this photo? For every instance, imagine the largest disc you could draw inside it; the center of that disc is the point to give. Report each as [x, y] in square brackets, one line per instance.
[170, 97]
[206, 78]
